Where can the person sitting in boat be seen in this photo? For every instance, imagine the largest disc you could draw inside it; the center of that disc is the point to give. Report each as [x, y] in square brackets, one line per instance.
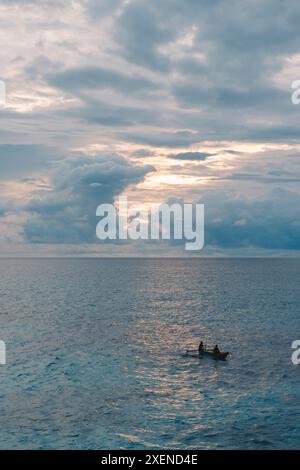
[216, 349]
[201, 347]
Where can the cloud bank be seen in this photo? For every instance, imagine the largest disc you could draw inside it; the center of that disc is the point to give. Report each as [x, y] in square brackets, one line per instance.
[160, 99]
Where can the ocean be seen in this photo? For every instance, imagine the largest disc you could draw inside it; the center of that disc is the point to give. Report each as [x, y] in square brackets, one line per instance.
[96, 353]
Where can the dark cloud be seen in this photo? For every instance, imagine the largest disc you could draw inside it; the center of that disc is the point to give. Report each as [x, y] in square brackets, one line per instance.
[229, 66]
[99, 112]
[67, 213]
[271, 177]
[140, 31]
[163, 139]
[100, 8]
[271, 133]
[269, 222]
[18, 160]
[225, 71]
[143, 153]
[82, 81]
[200, 156]
[97, 77]
[193, 95]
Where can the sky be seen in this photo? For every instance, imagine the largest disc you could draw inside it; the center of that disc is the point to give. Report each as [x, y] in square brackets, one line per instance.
[158, 100]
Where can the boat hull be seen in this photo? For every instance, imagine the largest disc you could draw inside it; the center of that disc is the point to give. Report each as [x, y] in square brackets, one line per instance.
[217, 356]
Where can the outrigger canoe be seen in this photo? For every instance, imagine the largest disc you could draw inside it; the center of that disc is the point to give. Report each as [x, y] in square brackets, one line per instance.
[221, 356]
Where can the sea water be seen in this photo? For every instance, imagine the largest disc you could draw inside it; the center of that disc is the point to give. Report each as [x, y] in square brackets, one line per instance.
[95, 353]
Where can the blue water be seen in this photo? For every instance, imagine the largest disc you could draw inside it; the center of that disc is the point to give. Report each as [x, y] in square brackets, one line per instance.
[95, 354]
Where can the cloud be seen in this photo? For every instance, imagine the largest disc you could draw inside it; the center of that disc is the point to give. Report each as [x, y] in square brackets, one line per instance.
[113, 115]
[143, 153]
[46, 3]
[18, 160]
[99, 8]
[183, 67]
[139, 32]
[169, 74]
[89, 77]
[67, 213]
[199, 156]
[163, 139]
[269, 222]
[193, 95]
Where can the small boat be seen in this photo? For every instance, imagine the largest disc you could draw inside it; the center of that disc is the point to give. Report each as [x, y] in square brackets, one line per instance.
[221, 356]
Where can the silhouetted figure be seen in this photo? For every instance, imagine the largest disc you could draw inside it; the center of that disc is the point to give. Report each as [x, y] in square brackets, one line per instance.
[216, 349]
[201, 347]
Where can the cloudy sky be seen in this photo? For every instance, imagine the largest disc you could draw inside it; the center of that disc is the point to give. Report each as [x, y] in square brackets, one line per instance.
[155, 99]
